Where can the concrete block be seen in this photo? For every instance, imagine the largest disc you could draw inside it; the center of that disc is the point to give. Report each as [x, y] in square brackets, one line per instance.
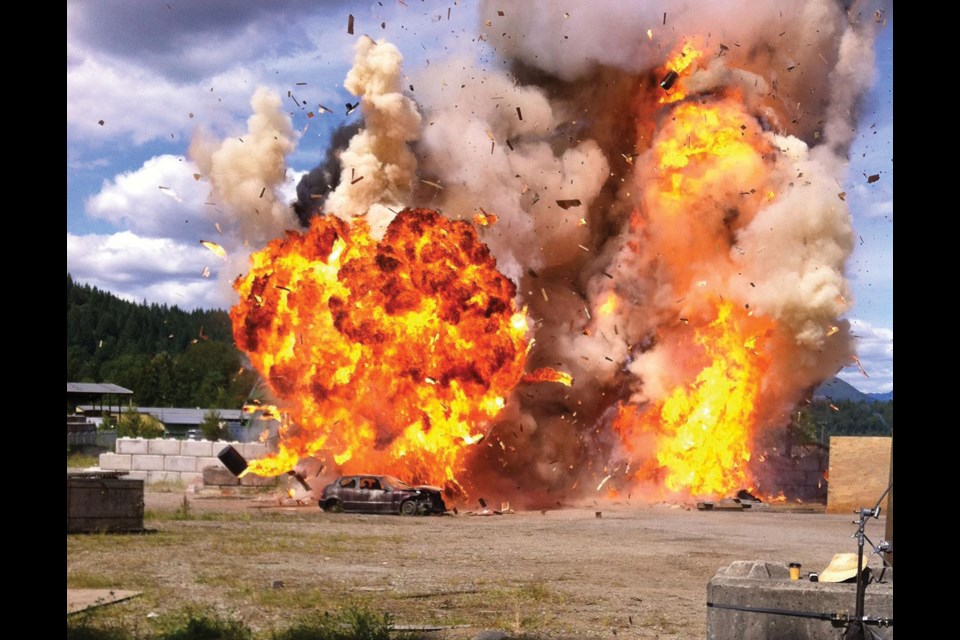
[163, 447]
[219, 476]
[196, 448]
[162, 476]
[201, 463]
[115, 462]
[147, 463]
[180, 463]
[251, 480]
[191, 478]
[252, 450]
[131, 445]
[767, 585]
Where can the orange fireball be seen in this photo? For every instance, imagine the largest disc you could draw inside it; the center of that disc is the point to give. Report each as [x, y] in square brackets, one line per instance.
[388, 356]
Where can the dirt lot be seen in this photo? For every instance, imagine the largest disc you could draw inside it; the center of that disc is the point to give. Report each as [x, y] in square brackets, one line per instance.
[637, 571]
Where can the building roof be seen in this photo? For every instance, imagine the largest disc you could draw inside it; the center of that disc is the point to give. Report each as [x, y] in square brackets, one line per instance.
[97, 388]
[181, 415]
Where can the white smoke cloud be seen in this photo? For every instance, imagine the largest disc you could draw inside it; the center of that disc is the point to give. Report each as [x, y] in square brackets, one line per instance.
[245, 173]
[377, 166]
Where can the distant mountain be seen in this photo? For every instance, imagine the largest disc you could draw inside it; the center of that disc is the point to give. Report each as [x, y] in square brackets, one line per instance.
[837, 389]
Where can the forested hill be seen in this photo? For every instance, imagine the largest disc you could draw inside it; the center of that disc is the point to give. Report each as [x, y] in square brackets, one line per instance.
[166, 356]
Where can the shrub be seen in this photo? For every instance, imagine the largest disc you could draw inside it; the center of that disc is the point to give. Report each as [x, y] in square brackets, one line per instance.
[213, 427]
[137, 425]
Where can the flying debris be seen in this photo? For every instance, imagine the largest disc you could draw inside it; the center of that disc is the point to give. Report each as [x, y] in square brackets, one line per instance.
[669, 80]
[215, 248]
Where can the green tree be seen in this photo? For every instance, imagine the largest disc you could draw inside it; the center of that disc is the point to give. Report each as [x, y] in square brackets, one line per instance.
[213, 427]
[134, 424]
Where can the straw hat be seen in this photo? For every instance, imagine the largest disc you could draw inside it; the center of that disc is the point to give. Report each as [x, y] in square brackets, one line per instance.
[842, 567]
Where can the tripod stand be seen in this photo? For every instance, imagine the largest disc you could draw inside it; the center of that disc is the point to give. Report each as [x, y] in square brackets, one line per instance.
[859, 624]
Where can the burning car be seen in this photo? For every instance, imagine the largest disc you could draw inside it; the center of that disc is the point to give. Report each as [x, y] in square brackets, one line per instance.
[380, 494]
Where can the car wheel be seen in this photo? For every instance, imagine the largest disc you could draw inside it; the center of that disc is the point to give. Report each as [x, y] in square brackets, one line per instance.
[333, 506]
[408, 508]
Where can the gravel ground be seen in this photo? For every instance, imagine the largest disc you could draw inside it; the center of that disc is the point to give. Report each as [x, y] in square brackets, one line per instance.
[599, 570]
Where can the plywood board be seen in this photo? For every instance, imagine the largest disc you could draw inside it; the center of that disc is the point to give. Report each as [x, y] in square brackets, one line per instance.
[859, 472]
[80, 599]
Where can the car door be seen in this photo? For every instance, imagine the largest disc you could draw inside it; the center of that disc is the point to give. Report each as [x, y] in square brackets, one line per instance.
[373, 495]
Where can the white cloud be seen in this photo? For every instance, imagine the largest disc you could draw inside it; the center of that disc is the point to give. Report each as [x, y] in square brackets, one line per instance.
[159, 270]
[136, 104]
[160, 199]
[875, 352]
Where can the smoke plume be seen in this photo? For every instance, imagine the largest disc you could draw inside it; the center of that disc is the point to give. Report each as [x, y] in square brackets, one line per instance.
[663, 178]
[377, 166]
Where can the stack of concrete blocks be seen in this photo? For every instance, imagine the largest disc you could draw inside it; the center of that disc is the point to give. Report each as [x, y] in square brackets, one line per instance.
[169, 460]
[799, 477]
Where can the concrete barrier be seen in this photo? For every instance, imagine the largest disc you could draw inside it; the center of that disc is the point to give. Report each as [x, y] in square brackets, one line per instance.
[766, 585]
[171, 460]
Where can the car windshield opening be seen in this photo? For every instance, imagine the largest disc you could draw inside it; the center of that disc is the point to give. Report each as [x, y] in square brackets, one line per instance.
[396, 483]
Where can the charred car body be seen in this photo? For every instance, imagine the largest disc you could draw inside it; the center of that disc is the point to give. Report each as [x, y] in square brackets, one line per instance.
[380, 494]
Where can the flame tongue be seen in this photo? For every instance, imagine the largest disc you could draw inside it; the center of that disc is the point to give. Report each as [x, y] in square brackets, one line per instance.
[704, 430]
[387, 355]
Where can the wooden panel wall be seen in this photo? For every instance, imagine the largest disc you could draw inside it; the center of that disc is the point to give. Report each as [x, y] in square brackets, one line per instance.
[859, 472]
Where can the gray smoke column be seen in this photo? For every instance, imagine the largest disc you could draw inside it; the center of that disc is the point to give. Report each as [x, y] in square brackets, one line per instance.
[378, 166]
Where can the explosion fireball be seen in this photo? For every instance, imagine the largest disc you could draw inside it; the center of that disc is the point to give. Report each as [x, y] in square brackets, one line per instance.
[387, 354]
[656, 227]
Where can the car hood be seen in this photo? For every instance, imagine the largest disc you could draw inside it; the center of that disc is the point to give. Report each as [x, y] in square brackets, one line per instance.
[426, 487]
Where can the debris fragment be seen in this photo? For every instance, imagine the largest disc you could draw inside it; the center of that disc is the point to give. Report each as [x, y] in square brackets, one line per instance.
[842, 195]
[860, 366]
[432, 184]
[352, 107]
[215, 248]
[566, 204]
[873, 178]
[356, 180]
[262, 191]
[669, 80]
[205, 273]
[100, 122]
[350, 24]
[484, 219]
[519, 115]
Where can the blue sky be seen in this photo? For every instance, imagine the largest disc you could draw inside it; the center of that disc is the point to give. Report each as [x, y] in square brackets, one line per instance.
[154, 73]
